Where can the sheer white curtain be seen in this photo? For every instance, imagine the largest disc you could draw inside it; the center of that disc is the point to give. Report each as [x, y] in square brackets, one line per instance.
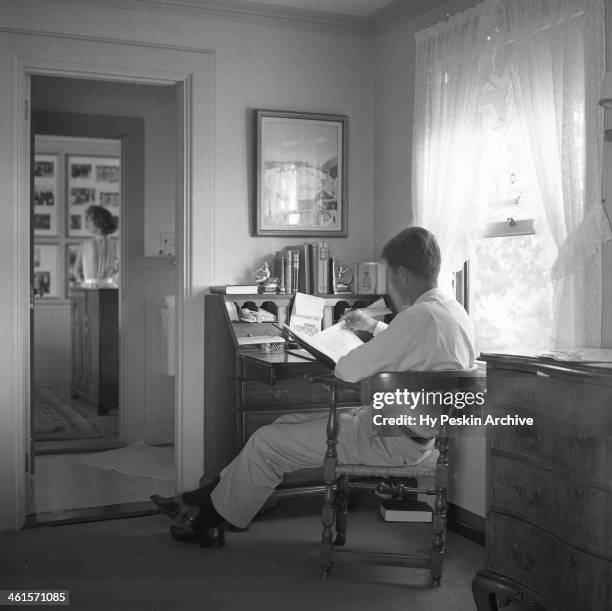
[448, 87]
[557, 65]
[555, 55]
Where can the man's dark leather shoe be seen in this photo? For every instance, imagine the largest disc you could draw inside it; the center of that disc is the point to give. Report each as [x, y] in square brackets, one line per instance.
[168, 505]
[185, 527]
[212, 537]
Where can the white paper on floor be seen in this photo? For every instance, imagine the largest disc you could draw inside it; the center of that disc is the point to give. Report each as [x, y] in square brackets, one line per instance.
[138, 459]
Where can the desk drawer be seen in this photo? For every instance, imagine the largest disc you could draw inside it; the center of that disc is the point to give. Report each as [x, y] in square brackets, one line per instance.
[551, 501]
[556, 443]
[252, 420]
[568, 578]
[578, 399]
[292, 392]
[284, 392]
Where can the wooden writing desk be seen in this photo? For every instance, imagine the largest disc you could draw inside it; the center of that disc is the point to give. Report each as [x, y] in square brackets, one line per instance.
[246, 388]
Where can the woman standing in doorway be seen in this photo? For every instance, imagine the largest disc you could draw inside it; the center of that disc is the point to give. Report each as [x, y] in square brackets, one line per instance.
[97, 261]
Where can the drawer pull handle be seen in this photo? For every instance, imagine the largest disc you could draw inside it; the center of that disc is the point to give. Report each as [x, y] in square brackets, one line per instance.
[577, 493]
[528, 442]
[528, 499]
[527, 564]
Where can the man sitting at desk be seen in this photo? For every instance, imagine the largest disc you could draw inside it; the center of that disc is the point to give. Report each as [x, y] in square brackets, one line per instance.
[430, 332]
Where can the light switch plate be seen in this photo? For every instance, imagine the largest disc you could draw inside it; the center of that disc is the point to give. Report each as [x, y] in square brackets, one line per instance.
[166, 245]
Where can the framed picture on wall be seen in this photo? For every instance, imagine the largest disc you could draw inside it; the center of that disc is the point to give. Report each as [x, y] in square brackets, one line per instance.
[71, 255]
[45, 195]
[300, 174]
[45, 264]
[91, 181]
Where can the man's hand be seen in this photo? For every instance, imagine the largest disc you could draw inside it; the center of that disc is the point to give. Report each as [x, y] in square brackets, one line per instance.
[356, 320]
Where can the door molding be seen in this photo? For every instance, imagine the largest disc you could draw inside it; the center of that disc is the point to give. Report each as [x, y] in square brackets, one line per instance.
[193, 70]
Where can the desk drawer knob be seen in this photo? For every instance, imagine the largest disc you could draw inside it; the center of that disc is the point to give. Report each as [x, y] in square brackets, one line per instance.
[527, 442]
[526, 564]
[523, 395]
[528, 499]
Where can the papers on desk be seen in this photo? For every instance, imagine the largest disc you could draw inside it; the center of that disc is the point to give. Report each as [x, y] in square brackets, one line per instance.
[307, 314]
[377, 309]
[329, 345]
[598, 357]
[336, 341]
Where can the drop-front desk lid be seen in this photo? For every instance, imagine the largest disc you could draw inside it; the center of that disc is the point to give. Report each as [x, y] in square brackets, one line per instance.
[268, 367]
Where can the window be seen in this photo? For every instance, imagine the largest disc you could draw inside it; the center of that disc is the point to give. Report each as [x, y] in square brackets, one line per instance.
[511, 293]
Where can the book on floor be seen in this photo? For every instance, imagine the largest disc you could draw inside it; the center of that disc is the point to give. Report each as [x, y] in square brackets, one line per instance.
[405, 511]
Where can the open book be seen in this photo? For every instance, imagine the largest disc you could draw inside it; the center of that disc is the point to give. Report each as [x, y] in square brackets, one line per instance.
[328, 345]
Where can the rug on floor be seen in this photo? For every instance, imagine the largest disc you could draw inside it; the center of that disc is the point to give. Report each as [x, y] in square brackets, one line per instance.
[56, 419]
[137, 459]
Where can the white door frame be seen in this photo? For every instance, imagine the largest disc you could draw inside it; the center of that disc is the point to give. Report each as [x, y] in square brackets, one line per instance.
[193, 70]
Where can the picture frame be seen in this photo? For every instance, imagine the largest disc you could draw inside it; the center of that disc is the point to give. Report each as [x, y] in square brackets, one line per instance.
[71, 255]
[44, 196]
[45, 270]
[301, 174]
[91, 180]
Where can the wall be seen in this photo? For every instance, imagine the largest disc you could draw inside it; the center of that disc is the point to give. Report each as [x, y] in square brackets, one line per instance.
[272, 64]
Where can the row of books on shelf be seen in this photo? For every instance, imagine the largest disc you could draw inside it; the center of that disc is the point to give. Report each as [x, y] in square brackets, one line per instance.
[308, 268]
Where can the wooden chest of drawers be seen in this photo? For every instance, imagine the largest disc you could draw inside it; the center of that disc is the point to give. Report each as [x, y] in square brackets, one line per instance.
[549, 487]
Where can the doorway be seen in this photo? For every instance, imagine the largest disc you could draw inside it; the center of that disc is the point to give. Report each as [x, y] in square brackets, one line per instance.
[127, 453]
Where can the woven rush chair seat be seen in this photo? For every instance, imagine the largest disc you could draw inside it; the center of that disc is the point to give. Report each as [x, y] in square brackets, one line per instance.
[388, 481]
[374, 471]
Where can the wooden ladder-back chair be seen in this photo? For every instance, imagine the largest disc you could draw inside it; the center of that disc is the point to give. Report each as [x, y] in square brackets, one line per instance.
[391, 481]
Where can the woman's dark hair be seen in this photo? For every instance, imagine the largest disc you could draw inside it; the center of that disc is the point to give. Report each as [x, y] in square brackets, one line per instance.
[102, 219]
[417, 250]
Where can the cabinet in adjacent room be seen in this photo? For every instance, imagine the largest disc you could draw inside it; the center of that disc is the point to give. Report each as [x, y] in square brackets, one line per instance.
[95, 346]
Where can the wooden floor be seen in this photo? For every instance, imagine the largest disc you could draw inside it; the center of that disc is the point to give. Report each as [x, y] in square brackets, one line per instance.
[59, 485]
[134, 564]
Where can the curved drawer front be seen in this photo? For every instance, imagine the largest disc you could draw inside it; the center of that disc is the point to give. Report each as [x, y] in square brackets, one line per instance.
[553, 502]
[568, 578]
[558, 443]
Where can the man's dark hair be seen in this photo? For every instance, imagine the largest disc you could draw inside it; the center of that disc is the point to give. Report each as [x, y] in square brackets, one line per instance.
[417, 250]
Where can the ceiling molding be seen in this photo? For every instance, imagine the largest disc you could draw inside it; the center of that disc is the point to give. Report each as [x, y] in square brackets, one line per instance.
[400, 11]
[241, 9]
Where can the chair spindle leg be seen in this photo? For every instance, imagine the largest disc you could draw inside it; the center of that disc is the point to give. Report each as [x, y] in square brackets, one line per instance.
[439, 511]
[341, 510]
[329, 477]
